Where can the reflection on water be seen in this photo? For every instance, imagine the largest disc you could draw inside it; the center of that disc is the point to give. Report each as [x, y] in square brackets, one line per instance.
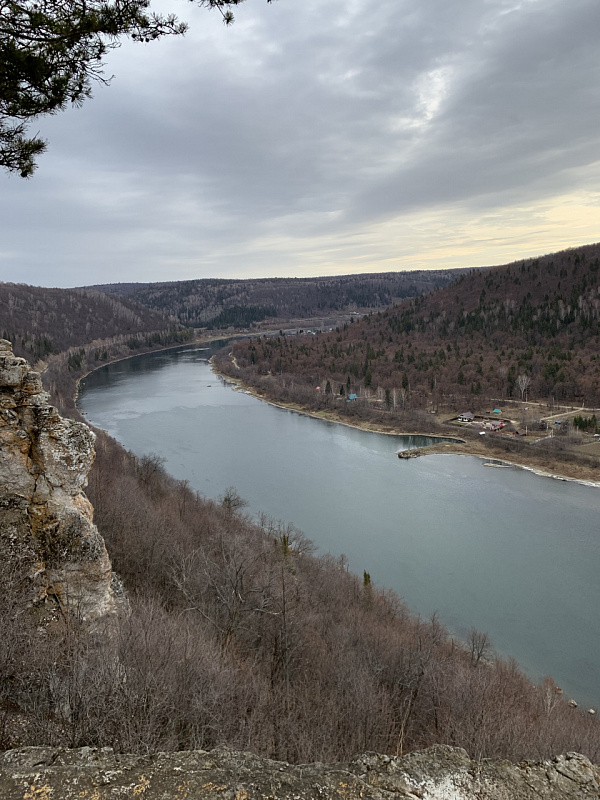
[502, 550]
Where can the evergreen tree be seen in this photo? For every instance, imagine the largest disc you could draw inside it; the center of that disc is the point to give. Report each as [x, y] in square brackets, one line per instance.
[51, 53]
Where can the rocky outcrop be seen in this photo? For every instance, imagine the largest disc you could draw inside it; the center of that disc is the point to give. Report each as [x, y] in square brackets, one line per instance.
[409, 453]
[439, 773]
[49, 546]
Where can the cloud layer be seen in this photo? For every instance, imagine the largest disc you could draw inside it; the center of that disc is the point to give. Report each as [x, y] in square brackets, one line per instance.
[319, 137]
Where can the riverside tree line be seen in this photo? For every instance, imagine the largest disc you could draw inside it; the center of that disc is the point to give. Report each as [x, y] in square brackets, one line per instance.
[529, 330]
[240, 635]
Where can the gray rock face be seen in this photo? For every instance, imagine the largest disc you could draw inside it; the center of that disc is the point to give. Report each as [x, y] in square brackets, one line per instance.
[439, 773]
[47, 536]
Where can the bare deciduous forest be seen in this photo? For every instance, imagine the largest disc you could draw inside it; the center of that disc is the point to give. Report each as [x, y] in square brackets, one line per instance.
[529, 330]
[219, 303]
[40, 321]
[239, 634]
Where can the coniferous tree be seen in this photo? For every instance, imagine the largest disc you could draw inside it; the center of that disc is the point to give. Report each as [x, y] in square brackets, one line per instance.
[52, 52]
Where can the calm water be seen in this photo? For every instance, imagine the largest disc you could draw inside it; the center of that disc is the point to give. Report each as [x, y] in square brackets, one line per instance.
[501, 550]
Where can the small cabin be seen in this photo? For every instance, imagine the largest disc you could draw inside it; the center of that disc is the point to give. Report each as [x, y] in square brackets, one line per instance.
[466, 416]
[494, 425]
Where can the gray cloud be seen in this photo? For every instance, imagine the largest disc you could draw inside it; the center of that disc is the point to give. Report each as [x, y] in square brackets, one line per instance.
[308, 129]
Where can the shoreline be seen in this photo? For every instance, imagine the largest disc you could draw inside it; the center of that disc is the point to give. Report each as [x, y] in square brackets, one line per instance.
[563, 472]
[439, 448]
[84, 375]
[325, 417]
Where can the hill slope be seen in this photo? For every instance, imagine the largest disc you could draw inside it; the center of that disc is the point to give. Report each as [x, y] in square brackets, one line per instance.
[527, 329]
[39, 321]
[240, 303]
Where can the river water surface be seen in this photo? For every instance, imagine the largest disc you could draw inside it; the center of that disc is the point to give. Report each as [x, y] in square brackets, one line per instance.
[502, 550]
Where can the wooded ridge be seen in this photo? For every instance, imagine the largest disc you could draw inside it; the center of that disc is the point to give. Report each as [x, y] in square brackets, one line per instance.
[40, 321]
[538, 318]
[220, 303]
[239, 635]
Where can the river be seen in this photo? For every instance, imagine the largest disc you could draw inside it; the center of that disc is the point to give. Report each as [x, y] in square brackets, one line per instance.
[501, 550]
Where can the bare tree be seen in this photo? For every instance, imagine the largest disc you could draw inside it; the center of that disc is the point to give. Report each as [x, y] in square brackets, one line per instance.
[231, 500]
[503, 373]
[227, 585]
[523, 382]
[479, 646]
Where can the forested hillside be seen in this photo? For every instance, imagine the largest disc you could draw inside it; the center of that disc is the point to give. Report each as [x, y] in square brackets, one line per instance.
[241, 303]
[40, 321]
[240, 635]
[526, 330]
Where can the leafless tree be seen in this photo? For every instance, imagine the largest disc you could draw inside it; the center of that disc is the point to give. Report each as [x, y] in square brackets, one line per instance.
[226, 584]
[479, 646]
[231, 499]
[523, 382]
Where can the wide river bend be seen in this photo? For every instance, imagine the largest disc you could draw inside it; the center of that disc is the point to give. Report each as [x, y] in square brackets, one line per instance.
[502, 550]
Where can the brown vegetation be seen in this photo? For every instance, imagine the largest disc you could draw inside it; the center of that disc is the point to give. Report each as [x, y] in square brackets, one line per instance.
[220, 303]
[529, 330]
[238, 634]
[40, 321]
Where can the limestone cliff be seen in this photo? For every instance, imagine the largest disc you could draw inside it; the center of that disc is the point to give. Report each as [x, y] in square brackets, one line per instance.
[439, 773]
[49, 545]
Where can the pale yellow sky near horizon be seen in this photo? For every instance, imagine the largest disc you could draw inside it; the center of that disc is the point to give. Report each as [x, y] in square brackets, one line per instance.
[434, 239]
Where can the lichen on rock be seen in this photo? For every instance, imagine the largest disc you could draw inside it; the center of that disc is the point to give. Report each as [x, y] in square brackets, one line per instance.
[48, 540]
[438, 773]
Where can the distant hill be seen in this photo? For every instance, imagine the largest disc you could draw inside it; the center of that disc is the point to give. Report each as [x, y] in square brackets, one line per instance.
[219, 303]
[526, 329]
[40, 321]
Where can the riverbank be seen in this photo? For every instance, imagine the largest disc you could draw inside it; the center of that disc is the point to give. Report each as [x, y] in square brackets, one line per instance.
[392, 521]
[545, 464]
[122, 355]
[545, 467]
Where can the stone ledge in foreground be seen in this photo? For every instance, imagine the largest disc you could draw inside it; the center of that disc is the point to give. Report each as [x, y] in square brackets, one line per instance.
[438, 773]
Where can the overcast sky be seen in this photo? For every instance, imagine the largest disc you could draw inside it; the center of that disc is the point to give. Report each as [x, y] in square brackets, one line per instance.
[321, 137]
